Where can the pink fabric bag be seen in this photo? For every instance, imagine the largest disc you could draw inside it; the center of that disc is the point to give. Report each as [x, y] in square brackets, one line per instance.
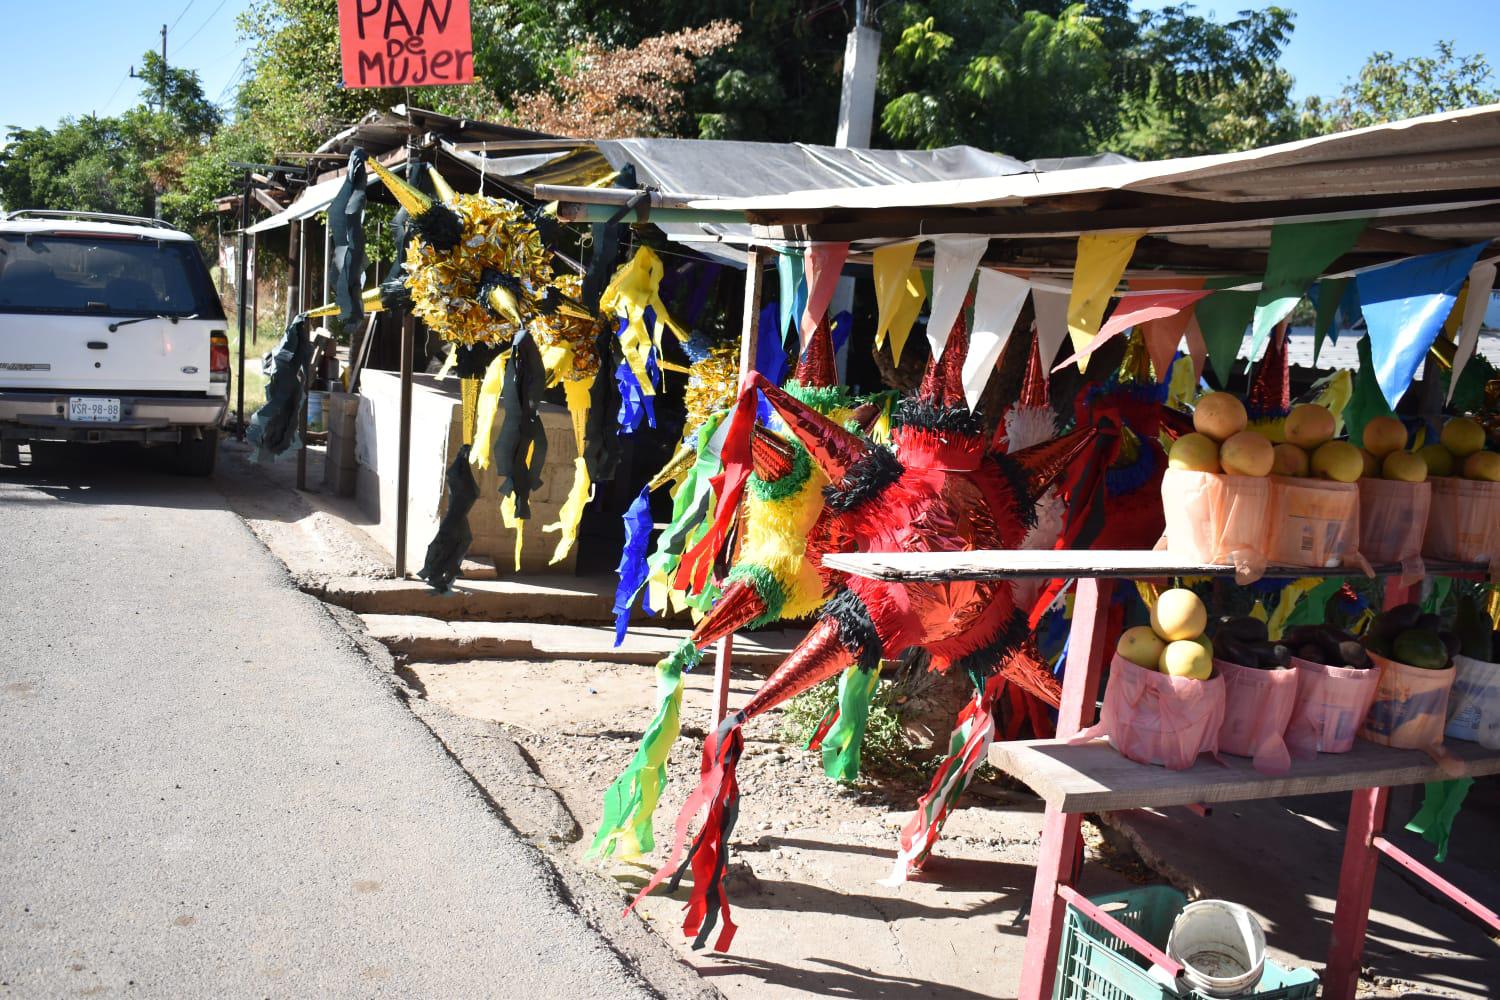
[1332, 703]
[1393, 524]
[1465, 522]
[1219, 519]
[1154, 718]
[1314, 522]
[1410, 709]
[1257, 709]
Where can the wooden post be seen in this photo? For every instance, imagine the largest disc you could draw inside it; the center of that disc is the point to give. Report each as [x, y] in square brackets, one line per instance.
[403, 441]
[1062, 839]
[240, 304]
[1351, 915]
[304, 286]
[754, 265]
[254, 295]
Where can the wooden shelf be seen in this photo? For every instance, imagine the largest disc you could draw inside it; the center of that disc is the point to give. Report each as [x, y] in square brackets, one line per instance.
[1003, 564]
[1093, 777]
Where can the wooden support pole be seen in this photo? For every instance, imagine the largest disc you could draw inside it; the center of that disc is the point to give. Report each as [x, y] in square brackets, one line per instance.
[749, 333]
[1062, 839]
[403, 441]
[1351, 915]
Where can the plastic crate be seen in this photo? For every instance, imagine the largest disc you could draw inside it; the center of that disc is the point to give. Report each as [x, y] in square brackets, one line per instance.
[1095, 965]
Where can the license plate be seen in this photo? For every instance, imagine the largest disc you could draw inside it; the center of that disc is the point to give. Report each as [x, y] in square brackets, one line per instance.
[94, 409]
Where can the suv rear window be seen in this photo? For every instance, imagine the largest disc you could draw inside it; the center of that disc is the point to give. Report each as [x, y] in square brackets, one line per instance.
[103, 275]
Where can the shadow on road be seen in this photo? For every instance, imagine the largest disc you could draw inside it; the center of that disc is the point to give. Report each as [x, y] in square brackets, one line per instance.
[105, 474]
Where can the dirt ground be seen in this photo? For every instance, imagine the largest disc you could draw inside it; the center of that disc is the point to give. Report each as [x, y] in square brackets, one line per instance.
[804, 846]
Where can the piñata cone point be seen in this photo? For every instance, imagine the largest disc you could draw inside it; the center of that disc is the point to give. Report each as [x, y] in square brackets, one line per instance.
[1034, 391]
[1045, 463]
[834, 449]
[817, 367]
[817, 657]
[943, 383]
[771, 455]
[1271, 389]
[738, 606]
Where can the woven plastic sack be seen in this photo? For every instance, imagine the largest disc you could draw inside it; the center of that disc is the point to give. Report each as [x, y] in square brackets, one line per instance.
[1154, 718]
[1393, 524]
[1465, 521]
[1410, 709]
[1257, 709]
[1474, 702]
[1314, 522]
[1332, 703]
[1213, 518]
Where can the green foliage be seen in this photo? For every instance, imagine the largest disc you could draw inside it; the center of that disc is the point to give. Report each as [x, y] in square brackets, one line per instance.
[886, 748]
[1388, 90]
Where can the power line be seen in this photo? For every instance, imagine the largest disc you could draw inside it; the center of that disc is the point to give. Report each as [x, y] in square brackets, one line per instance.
[184, 11]
[113, 94]
[205, 23]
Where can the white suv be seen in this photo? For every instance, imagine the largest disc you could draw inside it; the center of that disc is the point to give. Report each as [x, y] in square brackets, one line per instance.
[110, 330]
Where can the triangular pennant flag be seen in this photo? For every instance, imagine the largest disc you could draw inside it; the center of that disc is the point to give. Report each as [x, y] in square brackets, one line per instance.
[1101, 261]
[997, 302]
[1051, 307]
[1134, 309]
[1481, 284]
[793, 288]
[1299, 253]
[1365, 401]
[1197, 348]
[823, 263]
[1163, 335]
[1326, 296]
[954, 259]
[1223, 318]
[908, 307]
[892, 263]
[1404, 306]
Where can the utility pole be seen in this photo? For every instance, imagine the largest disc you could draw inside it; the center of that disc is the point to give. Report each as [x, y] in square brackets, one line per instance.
[163, 107]
[857, 101]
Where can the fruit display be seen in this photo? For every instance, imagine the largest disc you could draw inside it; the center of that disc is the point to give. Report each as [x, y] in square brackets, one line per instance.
[1408, 635]
[1244, 641]
[1309, 426]
[1459, 451]
[1173, 643]
[1327, 645]
[1339, 461]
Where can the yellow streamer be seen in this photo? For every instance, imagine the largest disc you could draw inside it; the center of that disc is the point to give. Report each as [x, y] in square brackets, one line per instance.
[489, 406]
[635, 287]
[508, 519]
[1291, 596]
[571, 513]
[1101, 262]
[1335, 396]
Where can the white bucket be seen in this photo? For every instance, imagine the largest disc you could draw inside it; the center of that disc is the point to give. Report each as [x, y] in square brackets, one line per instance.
[317, 406]
[1221, 946]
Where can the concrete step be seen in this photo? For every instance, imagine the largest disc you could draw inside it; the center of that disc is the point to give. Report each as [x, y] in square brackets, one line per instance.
[561, 599]
[437, 640]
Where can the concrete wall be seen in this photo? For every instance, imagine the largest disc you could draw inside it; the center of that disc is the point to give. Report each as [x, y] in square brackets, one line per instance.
[436, 437]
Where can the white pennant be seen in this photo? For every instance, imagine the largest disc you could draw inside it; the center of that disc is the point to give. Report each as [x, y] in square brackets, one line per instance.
[997, 302]
[1481, 283]
[954, 261]
[1051, 306]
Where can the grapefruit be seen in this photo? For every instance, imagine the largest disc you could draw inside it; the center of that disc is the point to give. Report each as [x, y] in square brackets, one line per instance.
[1195, 453]
[1186, 658]
[1484, 465]
[1141, 646]
[1337, 460]
[1384, 435]
[1405, 467]
[1309, 425]
[1289, 460]
[1462, 436]
[1219, 415]
[1439, 459]
[1179, 614]
[1247, 454]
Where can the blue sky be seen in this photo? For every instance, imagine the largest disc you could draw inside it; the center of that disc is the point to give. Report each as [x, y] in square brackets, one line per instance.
[70, 57]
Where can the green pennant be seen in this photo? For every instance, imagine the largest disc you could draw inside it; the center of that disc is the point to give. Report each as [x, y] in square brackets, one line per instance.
[1299, 253]
[843, 741]
[1223, 317]
[1330, 294]
[1367, 401]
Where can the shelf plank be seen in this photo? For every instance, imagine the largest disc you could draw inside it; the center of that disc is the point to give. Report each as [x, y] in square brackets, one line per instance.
[1003, 564]
[1092, 777]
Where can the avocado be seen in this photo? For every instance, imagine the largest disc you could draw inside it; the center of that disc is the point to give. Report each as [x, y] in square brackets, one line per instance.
[1420, 648]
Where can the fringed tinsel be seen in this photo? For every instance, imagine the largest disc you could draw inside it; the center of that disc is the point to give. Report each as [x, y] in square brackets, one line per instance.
[632, 569]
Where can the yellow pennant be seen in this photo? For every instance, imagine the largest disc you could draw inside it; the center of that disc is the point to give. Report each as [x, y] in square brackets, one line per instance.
[1101, 261]
[633, 289]
[1335, 396]
[489, 406]
[893, 263]
[571, 513]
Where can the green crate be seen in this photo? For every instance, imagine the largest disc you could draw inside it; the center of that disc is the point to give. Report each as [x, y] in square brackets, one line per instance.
[1095, 965]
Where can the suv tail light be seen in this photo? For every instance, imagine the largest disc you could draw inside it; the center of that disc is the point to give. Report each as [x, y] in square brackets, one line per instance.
[218, 357]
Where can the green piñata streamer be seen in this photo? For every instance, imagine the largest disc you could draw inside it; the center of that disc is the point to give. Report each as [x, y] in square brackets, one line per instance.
[626, 830]
[842, 742]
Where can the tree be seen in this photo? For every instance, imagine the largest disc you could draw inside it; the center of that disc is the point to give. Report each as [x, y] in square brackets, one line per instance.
[1389, 90]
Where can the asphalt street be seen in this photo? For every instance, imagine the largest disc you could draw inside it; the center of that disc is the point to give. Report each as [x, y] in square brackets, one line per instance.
[205, 790]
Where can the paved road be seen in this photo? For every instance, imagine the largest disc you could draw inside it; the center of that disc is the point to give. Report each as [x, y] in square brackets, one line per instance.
[205, 791]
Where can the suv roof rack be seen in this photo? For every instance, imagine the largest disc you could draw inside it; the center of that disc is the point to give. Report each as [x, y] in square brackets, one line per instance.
[40, 213]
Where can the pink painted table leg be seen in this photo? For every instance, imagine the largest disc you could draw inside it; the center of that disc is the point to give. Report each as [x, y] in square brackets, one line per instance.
[1061, 839]
[1351, 915]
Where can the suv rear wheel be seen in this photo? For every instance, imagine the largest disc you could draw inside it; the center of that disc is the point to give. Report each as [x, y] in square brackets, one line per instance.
[196, 455]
